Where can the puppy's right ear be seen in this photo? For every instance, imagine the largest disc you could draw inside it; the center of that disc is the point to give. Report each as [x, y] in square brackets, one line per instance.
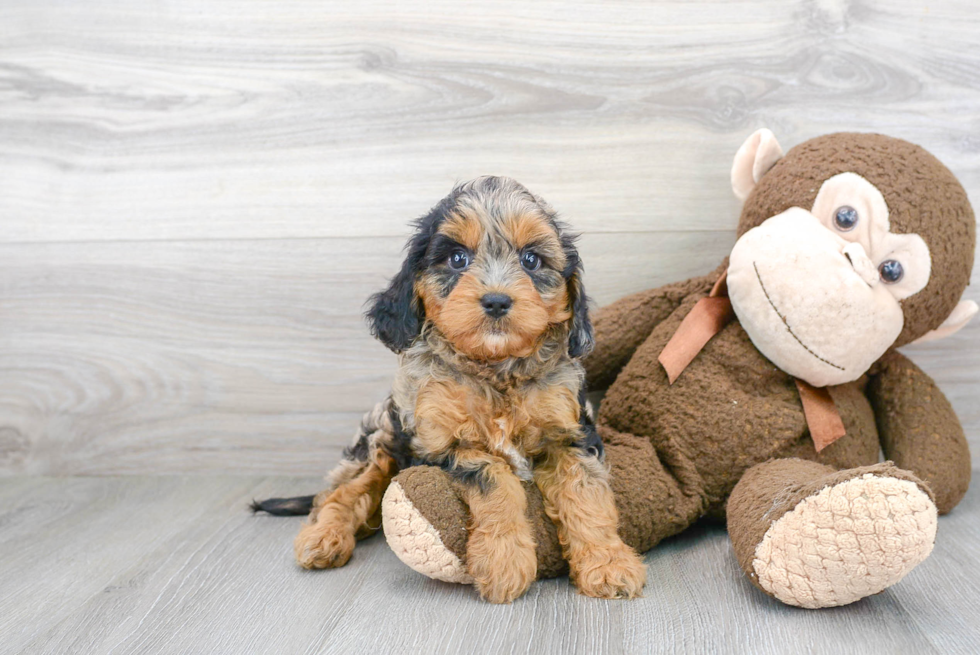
[396, 314]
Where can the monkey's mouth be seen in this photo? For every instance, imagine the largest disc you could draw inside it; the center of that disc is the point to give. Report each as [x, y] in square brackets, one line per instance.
[786, 323]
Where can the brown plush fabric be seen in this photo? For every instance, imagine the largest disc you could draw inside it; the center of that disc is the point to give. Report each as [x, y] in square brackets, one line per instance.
[730, 410]
[658, 490]
[919, 429]
[436, 496]
[627, 322]
[922, 195]
[551, 563]
[763, 495]
[676, 452]
[768, 491]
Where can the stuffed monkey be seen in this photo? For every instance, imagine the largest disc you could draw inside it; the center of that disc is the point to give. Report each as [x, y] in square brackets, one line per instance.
[765, 392]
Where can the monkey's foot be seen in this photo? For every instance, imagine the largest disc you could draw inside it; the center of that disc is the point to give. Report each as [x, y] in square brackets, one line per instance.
[414, 539]
[847, 541]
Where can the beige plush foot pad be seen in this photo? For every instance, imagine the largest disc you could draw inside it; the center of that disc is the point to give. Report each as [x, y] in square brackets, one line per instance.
[848, 541]
[416, 542]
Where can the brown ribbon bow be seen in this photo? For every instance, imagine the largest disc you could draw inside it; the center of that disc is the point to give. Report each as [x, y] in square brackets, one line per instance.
[707, 319]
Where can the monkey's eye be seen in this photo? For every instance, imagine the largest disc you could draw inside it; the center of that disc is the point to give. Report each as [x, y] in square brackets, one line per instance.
[845, 218]
[891, 271]
[530, 261]
[459, 259]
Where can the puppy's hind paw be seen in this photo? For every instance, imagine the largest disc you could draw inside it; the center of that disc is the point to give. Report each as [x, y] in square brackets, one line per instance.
[321, 546]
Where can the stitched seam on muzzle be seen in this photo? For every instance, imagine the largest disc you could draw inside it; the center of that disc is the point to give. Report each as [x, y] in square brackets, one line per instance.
[786, 323]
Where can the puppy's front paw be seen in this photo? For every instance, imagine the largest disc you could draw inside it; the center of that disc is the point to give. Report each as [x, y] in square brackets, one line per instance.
[503, 567]
[324, 545]
[609, 572]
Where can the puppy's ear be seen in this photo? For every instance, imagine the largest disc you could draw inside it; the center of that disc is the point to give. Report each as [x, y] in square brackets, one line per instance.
[396, 314]
[580, 336]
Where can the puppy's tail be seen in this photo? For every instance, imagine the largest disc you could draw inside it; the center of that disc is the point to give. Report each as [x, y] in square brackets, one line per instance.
[298, 506]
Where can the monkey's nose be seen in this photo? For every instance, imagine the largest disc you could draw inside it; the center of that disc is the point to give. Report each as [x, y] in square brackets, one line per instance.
[496, 304]
[862, 264]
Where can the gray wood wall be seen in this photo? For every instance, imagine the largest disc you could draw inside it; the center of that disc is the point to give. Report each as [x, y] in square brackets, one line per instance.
[196, 197]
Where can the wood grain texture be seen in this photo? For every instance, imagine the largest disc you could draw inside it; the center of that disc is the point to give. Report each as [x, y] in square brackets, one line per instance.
[178, 565]
[215, 356]
[197, 197]
[302, 118]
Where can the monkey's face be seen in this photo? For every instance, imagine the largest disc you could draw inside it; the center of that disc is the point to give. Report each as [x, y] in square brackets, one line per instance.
[849, 245]
[818, 290]
[493, 283]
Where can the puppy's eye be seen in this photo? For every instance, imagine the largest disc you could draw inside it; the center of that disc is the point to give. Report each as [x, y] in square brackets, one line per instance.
[891, 271]
[530, 261]
[459, 260]
[845, 218]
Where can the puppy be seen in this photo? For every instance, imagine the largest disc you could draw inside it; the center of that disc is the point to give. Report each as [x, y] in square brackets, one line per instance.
[489, 317]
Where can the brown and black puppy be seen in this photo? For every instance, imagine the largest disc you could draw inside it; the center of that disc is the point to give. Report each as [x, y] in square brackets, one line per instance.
[489, 317]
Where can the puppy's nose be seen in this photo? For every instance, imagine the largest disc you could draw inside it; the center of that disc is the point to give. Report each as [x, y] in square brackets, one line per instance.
[496, 304]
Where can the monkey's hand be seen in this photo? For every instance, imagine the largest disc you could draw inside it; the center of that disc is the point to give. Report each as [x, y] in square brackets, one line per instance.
[918, 428]
[621, 327]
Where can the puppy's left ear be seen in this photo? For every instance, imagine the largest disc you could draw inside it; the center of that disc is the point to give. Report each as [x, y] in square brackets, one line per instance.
[580, 336]
[396, 314]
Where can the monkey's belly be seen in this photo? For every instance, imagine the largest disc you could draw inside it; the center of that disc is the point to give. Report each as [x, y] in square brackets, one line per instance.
[729, 410]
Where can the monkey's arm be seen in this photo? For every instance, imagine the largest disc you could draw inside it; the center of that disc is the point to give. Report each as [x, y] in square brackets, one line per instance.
[918, 428]
[622, 326]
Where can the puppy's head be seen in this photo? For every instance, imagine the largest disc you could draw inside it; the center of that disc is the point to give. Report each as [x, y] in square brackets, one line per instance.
[492, 269]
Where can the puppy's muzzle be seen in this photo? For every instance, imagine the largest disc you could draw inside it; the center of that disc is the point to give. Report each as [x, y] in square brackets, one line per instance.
[496, 305]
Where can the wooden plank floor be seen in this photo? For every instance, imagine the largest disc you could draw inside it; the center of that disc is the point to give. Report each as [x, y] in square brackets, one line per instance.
[178, 565]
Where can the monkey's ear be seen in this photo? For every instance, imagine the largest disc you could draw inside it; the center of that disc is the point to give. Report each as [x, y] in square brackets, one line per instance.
[396, 314]
[580, 334]
[960, 316]
[753, 160]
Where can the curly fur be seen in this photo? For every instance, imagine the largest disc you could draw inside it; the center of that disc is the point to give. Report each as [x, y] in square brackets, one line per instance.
[492, 397]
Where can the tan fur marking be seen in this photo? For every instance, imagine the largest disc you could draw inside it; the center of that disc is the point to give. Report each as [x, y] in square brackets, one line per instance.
[500, 550]
[446, 413]
[580, 502]
[345, 515]
[429, 297]
[449, 413]
[558, 309]
[523, 229]
[465, 228]
[462, 319]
